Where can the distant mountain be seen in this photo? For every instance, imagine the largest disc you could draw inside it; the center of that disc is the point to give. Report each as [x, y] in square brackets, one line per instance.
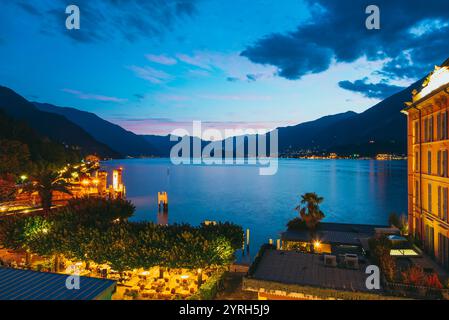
[303, 135]
[117, 138]
[381, 128]
[53, 126]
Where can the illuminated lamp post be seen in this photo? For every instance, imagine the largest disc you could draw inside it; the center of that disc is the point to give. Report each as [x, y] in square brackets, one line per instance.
[200, 277]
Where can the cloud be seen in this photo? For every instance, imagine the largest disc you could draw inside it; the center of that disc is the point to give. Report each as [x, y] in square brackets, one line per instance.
[163, 126]
[161, 59]
[336, 32]
[379, 90]
[90, 96]
[234, 66]
[105, 19]
[200, 61]
[232, 79]
[236, 97]
[150, 74]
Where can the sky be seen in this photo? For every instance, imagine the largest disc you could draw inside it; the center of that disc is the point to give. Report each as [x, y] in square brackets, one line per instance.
[153, 66]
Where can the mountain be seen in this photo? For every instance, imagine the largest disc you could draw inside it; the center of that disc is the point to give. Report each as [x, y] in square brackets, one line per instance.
[303, 135]
[53, 126]
[112, 135]
[21, 147]
[379, 129]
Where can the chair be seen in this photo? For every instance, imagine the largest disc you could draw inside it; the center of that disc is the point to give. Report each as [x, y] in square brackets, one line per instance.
[330, 260]
[352, 261]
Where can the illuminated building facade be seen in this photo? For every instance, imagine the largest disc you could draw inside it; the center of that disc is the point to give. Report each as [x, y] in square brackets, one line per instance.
[428, 164]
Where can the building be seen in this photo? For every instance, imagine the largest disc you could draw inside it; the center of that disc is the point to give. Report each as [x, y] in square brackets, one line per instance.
[333, 238]
[428, 167]
[18, 284]
[291, 275]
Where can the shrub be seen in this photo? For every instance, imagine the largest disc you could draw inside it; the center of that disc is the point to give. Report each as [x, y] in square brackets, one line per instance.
[380, 248]
[210, 288]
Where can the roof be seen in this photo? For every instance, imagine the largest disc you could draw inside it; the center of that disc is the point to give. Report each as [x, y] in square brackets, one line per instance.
[334, 233]
[32, 285]
[290, 267]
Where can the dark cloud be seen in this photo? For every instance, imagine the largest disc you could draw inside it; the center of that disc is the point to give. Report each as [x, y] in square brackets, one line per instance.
[232, 79]
[106, 19]
[139, 96]
[337, 31]
[379, 90]
[253, 77]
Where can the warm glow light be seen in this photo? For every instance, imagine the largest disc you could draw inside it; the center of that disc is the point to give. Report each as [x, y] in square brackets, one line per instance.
[96, 181]
[45, 230]
[3, 209]
[75, 174]
[85, 182]
[23, 177]
[199, 270]
[184, 276]
[317, 244]
[438, 78]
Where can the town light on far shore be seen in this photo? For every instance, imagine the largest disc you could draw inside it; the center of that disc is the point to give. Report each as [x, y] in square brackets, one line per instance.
[23, 177]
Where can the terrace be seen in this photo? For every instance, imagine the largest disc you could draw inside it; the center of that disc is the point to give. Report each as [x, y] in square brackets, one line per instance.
[282, 274]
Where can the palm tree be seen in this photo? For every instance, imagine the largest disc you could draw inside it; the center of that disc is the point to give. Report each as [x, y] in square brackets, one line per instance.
[45, 182]
[309, 210]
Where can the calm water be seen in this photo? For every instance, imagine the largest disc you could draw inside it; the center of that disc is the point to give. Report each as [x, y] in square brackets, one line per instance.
[354, 191]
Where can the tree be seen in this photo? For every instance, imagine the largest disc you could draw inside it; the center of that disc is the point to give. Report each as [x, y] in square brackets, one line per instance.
[45, 182]
[380, 248]
[8, 189]
[399, 222]
[309, 210]
[14, 157]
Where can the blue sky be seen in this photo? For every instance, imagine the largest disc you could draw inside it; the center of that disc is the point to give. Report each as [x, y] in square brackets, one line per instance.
[156, 65]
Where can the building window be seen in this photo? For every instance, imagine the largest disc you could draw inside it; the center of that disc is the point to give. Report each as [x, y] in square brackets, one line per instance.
[442, 163]
[429, 240]
[416, 161]
[445, 204]
[429, 162]
[431, 128]
[444, 133]
[443, 251]
[426, 130]
[439, 201]
[429, 198]
[439, 126]
[416, 192]
[416, 132]
[445, 154]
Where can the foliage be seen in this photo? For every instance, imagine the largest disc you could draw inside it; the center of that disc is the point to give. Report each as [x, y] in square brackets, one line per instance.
[95, 212]
[399, 222]
[309, 210]
[393, 220]
[121, 244]
[297, 224]
[22, 148]
[210, 288]
[380, 248]
[45, 181]
[14, 157]
[416, 276]
[8, 189]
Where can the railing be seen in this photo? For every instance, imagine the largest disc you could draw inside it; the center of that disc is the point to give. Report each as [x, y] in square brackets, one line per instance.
[418, 292]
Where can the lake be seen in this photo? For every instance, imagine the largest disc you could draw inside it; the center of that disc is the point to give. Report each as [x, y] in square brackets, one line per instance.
[354, 191]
